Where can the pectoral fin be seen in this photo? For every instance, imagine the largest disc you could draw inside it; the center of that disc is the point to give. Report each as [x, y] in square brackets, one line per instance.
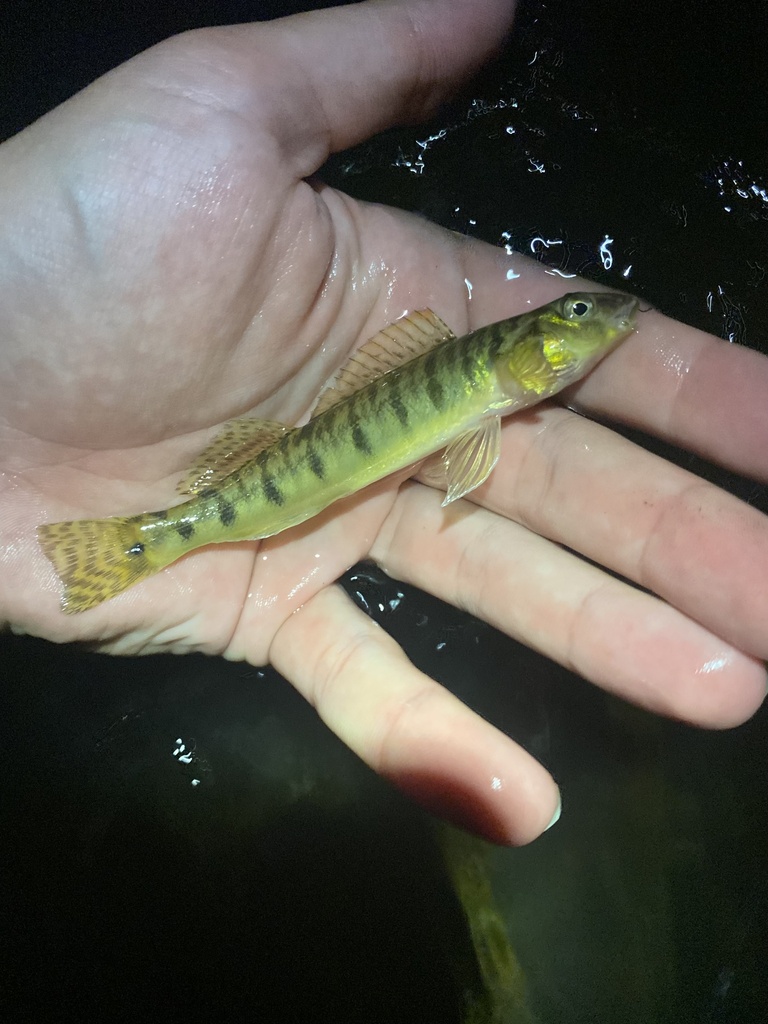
[470, 457]
[240, 441]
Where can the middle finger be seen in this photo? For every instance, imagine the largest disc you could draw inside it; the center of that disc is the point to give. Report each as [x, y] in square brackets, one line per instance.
[582, 485]
[625, 640]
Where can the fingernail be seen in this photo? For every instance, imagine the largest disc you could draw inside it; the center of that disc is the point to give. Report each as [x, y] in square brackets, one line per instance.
[556, 815]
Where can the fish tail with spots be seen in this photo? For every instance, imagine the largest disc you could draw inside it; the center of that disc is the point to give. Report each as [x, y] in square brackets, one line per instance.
[95, 558]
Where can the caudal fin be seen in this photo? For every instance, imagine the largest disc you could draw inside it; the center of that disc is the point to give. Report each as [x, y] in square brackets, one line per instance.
[95, 559]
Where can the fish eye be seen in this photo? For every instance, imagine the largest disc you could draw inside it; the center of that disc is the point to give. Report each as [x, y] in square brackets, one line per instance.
[578, 308]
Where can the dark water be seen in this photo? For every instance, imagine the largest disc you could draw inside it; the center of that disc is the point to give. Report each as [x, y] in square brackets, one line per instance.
[181, 838]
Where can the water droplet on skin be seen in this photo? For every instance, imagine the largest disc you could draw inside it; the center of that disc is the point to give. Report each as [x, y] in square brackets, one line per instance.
[716, 664]
[302, 584]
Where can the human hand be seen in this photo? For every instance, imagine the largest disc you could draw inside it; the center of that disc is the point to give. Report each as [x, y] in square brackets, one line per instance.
[166, 265]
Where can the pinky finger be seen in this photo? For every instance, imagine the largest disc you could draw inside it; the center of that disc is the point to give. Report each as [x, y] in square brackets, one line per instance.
[407, 727]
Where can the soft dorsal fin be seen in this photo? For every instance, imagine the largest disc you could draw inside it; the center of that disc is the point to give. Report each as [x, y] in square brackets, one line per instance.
[406, 338]
[238, 442]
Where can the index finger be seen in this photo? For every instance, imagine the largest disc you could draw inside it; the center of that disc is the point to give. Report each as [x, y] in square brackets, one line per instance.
[689, 388]
[681, 384]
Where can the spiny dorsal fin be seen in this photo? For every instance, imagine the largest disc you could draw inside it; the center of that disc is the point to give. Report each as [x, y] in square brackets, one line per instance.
[470, 458]
[238, 442]
[406, 338]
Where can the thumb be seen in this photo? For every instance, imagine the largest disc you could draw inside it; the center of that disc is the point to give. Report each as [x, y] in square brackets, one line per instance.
[322, 81]
[372, 65]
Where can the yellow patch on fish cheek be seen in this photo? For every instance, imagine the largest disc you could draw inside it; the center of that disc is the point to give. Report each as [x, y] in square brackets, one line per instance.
[555, 352]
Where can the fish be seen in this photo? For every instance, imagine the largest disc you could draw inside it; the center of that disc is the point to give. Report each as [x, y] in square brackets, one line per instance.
[412, 390]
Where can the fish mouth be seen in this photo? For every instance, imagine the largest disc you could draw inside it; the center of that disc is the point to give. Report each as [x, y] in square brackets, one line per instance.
[622, 311]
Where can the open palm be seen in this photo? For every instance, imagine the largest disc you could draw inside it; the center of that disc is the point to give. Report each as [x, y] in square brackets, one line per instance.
[168, 263]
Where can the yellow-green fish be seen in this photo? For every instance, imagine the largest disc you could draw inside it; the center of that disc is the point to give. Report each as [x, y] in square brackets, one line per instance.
[412, 390]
